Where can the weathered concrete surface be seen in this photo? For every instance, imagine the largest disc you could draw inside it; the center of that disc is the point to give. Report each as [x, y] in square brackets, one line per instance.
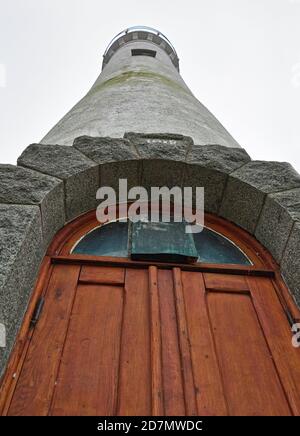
[163, 158]
[21, 252]
[118, 159]
[290, 265]
[277, 218]
[162, 172]
[209, 167]
[140, 94]
[218, 157]
[160, 145]
[79, 173]
[104, 150]
[211, 180]
[248, 186]
[24, 186]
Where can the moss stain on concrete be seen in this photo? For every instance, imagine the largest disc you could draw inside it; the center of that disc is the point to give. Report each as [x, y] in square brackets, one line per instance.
[123, 77]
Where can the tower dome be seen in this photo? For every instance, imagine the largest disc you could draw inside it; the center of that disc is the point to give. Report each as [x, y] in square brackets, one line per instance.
[140, 90]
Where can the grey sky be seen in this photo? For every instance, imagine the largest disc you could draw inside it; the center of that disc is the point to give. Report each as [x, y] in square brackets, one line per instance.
[241, 58]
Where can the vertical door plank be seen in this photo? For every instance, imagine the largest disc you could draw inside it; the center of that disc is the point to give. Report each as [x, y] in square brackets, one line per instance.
[35, 386]
[279, 336]
[251, 383]
[186, 362]
[208, 382]
[134, 396]
[171, 364]
[88, 375]
[156, 346]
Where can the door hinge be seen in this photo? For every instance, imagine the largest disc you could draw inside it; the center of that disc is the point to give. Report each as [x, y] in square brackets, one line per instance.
[37, 311]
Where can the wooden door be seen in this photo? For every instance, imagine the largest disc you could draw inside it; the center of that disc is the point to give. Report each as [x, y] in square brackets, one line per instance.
[155, 340]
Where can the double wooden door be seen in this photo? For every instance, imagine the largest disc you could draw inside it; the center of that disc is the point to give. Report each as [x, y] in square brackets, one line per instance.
[152, 340]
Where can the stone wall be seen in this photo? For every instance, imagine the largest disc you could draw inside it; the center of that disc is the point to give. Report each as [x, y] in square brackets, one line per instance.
[53, 184]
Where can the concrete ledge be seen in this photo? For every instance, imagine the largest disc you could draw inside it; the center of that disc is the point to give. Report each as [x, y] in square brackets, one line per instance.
[277, 218]
[104, 150]
[161, 172]
[218, 157]
[248, 186]
[213, 182]
[163, 156]
[168, 141]
[80, 174]
[117, 158]
[209, 167]
[158, 150]
[24, 186]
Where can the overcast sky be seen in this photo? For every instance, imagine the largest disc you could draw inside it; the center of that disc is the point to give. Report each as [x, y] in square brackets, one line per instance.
[241, 58]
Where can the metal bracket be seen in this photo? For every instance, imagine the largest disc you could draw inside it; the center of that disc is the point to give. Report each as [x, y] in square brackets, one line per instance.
[37, 311]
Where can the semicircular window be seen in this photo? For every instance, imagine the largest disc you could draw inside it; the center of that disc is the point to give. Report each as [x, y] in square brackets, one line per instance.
[161, 242]
[108, 240]
[215, 248]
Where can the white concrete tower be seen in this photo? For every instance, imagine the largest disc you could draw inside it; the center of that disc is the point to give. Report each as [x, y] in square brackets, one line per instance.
[140, 90]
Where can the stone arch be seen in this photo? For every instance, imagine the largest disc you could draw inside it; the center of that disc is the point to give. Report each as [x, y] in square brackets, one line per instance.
[53, 184]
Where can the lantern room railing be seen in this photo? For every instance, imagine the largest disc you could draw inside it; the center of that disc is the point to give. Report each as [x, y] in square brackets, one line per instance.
[142, 33]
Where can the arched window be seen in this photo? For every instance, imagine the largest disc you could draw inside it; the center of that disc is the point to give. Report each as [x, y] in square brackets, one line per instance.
[215, 248]
[164, 242]
[110, 239]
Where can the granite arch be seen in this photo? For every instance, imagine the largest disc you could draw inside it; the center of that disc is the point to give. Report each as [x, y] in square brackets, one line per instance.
[53, 184]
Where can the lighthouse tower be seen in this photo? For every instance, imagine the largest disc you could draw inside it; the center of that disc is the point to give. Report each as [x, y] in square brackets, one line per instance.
[121, 318]
[140, 90]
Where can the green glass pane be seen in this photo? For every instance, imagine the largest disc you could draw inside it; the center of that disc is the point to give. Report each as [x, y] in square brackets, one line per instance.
[162, 242]
[108, 240]
[215, 248]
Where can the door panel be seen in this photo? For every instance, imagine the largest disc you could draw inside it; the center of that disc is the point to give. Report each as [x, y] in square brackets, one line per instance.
[152, 341]
[87, 380]
[251, 383]
[208, 382]
[277, 332]
[36, 383]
